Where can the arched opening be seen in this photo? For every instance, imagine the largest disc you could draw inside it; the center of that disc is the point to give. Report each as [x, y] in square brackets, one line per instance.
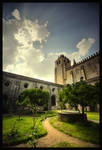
[53, 100]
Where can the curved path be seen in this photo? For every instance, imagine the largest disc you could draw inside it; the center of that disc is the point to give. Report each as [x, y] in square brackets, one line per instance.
[54, 137]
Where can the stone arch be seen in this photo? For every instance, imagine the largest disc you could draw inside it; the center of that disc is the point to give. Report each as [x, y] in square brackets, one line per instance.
[53, 100]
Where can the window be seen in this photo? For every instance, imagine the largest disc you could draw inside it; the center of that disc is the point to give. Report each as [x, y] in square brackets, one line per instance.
[26, 85]
[41, 87]
[81, 78]
[53, 100]
[53, 89]
[7, 83]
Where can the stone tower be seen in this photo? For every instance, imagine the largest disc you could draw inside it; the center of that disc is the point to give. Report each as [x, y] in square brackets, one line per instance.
[60, 69]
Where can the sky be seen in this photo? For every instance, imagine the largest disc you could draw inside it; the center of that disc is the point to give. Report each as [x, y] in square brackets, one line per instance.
[36, 34]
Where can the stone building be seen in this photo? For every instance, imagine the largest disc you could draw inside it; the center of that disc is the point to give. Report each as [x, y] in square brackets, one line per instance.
[14, 84]
[89, 69]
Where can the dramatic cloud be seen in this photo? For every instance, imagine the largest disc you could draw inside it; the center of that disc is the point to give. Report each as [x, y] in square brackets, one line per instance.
[9, 42]
[84, 45]
[16, 14]
[22, 48]
[20, 55]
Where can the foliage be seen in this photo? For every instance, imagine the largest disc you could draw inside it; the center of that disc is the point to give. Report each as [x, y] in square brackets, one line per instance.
[34, 97]
[33, 138]
[96, 94]
[13, 131]
[80, 93]
[62, 96]
[87, 131]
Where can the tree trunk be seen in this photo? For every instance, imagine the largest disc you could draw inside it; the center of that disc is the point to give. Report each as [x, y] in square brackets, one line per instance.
[83, 110]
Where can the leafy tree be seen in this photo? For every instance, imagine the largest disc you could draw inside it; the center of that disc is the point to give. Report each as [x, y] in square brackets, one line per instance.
[34, 98]
[62, 96]
[80, 93]
[96, 95]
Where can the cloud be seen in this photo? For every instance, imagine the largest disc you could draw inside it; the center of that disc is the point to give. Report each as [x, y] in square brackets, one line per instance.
[9, 42]
[22, 48]
[19, 37]
[16, 14]
[84, 45]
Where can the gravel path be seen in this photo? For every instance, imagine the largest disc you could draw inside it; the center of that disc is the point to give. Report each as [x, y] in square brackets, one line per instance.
[54, 137]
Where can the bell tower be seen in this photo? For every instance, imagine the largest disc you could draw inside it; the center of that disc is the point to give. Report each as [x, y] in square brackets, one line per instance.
[60, 69]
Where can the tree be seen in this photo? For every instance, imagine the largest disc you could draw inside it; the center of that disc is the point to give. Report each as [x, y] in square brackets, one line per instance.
[34, 98]
[96, 95]
[80, 93]
[63, 96]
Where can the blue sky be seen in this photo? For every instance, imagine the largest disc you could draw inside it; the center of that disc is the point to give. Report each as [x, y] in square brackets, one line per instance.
[56, 28]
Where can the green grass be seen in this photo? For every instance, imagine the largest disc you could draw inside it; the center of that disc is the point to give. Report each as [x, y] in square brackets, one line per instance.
[87, 131]
[65, 144]
[93, 115]
[24, 127]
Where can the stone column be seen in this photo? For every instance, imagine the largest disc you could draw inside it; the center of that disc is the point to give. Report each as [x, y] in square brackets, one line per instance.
[72, 76]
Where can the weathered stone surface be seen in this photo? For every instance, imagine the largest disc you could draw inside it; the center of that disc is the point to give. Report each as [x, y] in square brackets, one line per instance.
[14, 84]
[71, 116]
[89, 69]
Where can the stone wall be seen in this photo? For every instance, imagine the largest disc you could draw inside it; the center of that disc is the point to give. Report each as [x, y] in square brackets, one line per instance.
[14, 84]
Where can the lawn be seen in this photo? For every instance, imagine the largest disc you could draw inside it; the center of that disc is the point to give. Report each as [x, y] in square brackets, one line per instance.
[65, 144]
[24, 129]
[87, 131]
[92, 115]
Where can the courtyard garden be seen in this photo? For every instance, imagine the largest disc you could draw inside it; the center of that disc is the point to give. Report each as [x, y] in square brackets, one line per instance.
[17, 131]
[29, 129]
[87, 131]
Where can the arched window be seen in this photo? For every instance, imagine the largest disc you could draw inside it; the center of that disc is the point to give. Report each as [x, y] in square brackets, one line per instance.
[26, 85]
[53, 100]
[7, 83]
[41, 87]
[53, 89]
